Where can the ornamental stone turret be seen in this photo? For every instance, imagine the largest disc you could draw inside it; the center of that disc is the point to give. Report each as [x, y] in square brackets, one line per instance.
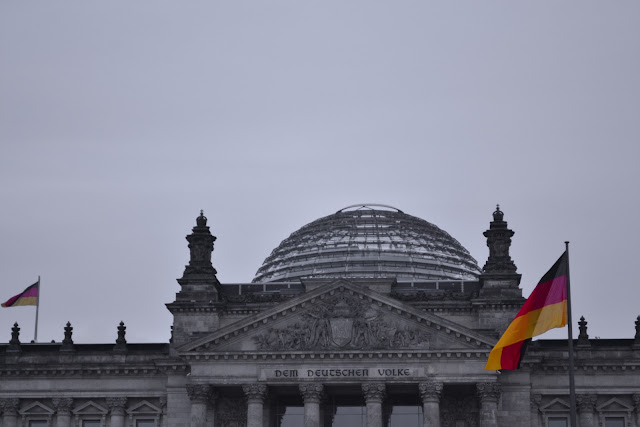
[14, 344]
[499, 278]
[121, 341]
[67, 342]
[195, 309]
[499, 281]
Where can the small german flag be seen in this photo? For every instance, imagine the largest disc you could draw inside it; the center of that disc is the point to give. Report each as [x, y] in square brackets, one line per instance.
[546, 308]
[27, 297]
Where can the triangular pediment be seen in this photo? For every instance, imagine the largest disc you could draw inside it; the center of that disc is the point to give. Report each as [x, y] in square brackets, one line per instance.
[614, 405]
[340, 316]
[36, 408]
[90, 408]
[556, 405]
[144, 407]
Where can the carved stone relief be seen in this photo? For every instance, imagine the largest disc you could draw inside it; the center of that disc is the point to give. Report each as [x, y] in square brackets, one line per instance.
[344, 321]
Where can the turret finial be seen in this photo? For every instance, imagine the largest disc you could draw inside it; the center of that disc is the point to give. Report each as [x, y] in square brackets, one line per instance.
[201, 221]
[498, 215]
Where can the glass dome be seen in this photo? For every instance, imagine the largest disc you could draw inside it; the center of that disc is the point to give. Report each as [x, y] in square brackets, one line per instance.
[373, 241]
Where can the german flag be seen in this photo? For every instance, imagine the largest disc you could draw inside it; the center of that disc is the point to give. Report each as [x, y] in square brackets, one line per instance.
[546, 308]
[27, 297]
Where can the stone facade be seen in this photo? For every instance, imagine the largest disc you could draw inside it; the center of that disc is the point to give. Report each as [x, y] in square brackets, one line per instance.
[350, 351]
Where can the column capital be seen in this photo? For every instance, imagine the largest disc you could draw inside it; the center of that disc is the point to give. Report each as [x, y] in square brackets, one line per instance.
[635, 397]
[311, 392]
[374, 392]
[430, 391]
[62, 405]
[200, 393]
[586, 402]
[255, 392]
[489, 391]
[536, 400]
[117, 404]
[10, 406]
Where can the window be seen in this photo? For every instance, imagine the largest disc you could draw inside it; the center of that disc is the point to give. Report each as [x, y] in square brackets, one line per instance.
[557, 422]
[614, 422]
[145, 423]
[349, 416]
[290, 416]
[406, 416]
[38, 423]
[90, 423]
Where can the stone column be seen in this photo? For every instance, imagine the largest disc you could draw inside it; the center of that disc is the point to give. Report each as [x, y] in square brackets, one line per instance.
[9, 409]
[536, 399]
[63, 411]
[117, 405]
[636, 403]
[586, 403]
[200, 395]
[489, 393]
[312, 395]
[374, 396]
[430, 393]
[256, 394]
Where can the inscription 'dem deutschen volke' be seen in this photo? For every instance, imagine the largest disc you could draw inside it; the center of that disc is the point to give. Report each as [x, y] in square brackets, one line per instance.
[341, 373]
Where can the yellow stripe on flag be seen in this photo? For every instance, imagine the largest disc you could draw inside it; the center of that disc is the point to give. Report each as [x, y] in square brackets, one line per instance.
[527, 326]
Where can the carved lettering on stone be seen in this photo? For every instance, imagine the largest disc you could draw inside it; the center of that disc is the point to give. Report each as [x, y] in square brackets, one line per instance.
[343, 321]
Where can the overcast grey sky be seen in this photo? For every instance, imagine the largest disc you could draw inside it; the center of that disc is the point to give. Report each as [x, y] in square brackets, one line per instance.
[119, 121]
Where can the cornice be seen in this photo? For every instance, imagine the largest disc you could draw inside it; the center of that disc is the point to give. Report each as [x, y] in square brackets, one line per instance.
[613, 366]
[32, 370]
[241, 356]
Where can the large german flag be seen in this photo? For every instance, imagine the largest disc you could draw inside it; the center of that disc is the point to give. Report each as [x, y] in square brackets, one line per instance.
[27, 297]
[546, 308]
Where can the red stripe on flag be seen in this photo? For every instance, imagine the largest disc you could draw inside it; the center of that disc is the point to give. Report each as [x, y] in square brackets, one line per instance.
[546, 293]
[510, 357]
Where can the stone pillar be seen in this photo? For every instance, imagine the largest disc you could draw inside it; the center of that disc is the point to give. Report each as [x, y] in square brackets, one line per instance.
[256, 394]
[430, 392]
[536, 399]
[374, 396]
[9, 409]
[117, 405]
[63, 411]
[489, 393]
[586, 403]
[636, 404]
[200, 395]
[312, 395]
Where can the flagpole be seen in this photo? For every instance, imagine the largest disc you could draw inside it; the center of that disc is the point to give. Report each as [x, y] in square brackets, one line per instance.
[572, 384]
[35, 334]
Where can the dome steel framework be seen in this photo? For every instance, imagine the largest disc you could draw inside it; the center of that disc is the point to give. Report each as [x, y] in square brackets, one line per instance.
[369, 241]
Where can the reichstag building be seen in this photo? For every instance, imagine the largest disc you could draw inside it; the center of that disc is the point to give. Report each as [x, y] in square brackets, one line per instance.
[366, 317]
